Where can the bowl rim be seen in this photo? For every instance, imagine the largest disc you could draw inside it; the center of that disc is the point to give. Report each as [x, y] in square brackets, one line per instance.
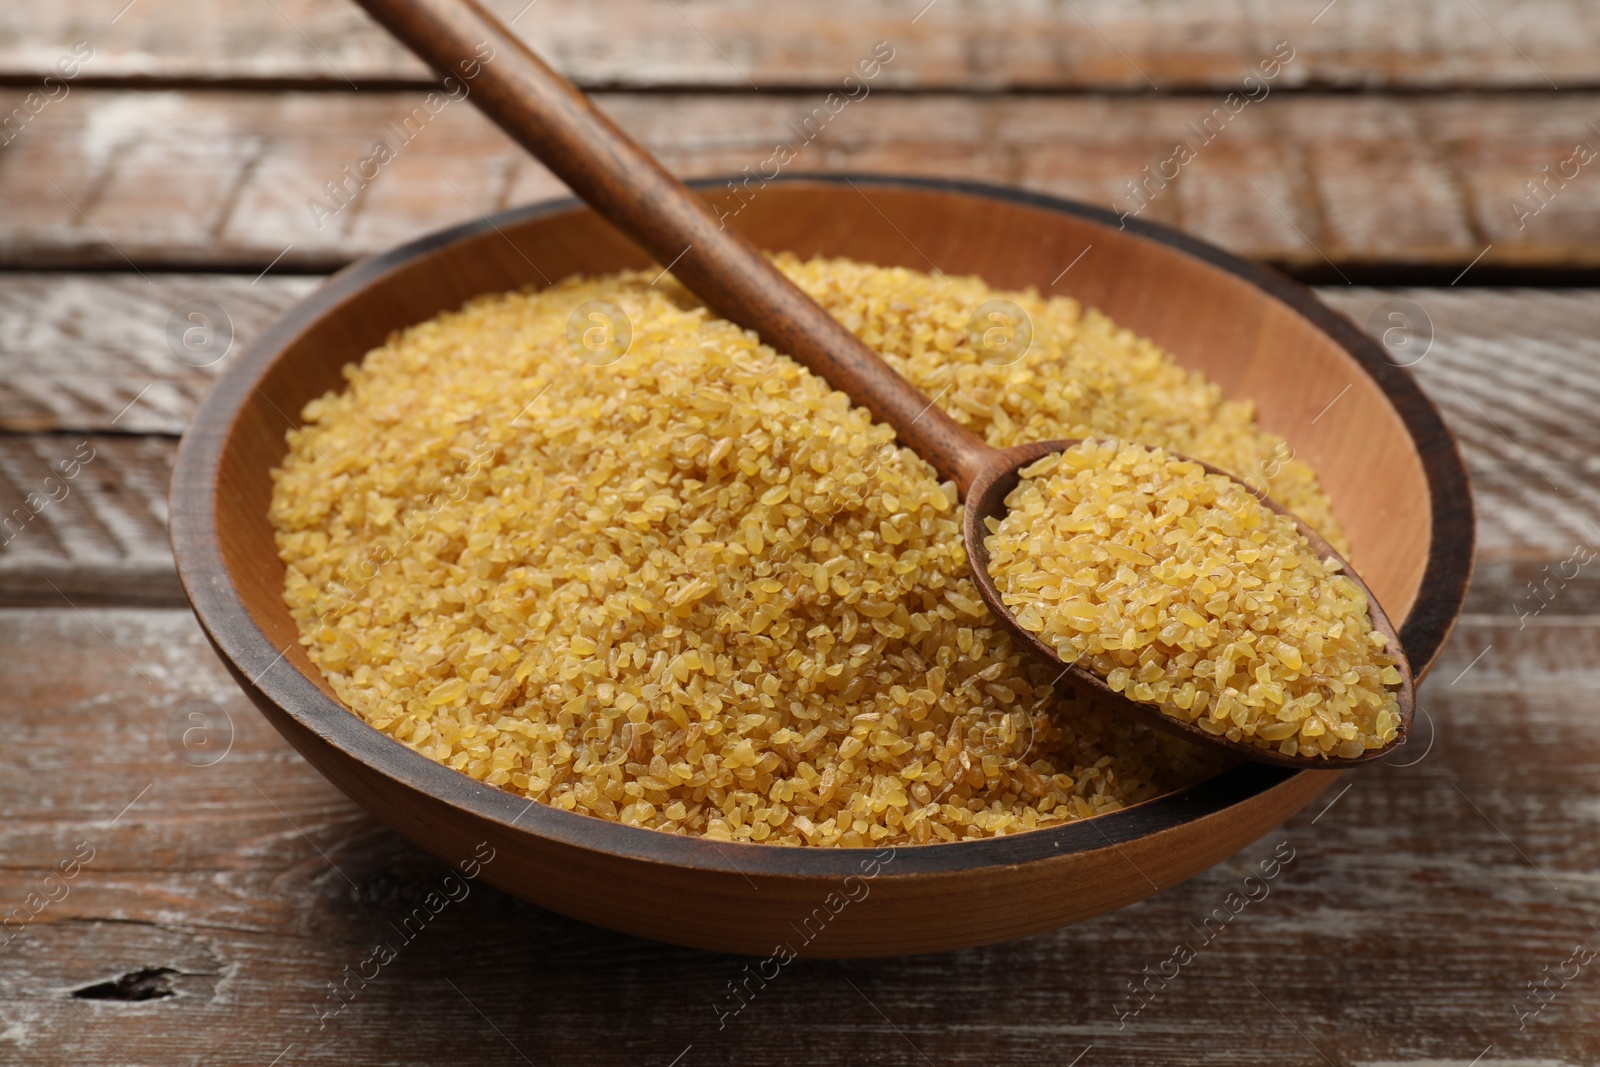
[254, 659]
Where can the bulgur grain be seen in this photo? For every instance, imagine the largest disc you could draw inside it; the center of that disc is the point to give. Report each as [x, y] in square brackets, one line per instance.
[695, 589]
[1184, 591]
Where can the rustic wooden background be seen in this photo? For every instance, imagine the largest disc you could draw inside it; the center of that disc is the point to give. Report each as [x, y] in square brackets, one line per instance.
[188, 887]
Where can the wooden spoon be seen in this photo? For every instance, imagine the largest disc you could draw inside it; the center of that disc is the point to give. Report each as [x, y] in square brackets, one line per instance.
[552, 119]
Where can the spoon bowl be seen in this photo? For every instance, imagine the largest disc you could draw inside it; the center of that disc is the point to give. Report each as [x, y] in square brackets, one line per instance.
[986, 499]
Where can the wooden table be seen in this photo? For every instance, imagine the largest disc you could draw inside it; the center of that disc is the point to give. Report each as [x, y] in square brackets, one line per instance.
[181, 888]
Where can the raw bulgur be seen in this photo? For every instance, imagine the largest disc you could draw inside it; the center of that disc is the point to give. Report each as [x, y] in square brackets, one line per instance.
[1184, 591]
[695, 589]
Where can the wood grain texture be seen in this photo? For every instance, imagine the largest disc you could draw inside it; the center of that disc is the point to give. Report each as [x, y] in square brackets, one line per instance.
[188, 178]
[1092, 44]
[97, 536]
[257, 884]
[74, 349]
[106, 353]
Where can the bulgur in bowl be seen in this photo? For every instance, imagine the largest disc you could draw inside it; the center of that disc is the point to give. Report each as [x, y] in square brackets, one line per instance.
[1098, 836]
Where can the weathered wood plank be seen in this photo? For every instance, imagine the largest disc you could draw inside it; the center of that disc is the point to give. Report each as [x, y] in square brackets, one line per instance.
[84, 353]
[85, 517]
[1300, 180]
[948, 45]
[1418, 904]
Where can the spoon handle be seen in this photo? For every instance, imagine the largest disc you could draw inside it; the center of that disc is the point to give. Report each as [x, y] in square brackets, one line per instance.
[551, 118]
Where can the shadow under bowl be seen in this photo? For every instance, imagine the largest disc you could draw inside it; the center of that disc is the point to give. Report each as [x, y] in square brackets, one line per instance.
[1381, 451]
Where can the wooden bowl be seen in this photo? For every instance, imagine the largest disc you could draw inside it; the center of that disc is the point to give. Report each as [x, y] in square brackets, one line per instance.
[1384, 456]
